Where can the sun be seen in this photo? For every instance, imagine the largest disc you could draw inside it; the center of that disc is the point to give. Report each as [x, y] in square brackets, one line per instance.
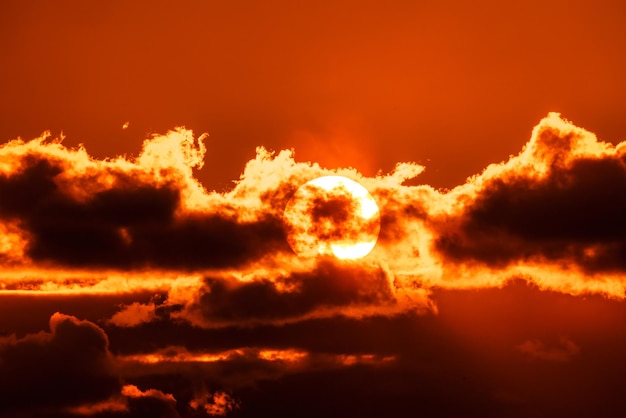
[332, 215]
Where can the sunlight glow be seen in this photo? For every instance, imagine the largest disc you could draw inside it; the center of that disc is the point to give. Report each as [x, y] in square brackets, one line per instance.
[352, 251]
[332, 215]
[367, 204]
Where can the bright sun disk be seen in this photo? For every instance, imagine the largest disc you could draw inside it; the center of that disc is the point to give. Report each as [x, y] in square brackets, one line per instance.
[332, 215]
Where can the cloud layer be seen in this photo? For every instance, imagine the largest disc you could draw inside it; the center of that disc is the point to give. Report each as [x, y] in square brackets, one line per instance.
[553, 210]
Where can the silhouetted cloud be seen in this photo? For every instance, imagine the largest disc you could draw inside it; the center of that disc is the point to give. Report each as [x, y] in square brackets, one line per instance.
[572, 211]
[329, 289]
[53, 370]
[76, 212]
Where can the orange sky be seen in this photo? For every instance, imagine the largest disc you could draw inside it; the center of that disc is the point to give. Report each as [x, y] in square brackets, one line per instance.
[452, 85]
[150, 273]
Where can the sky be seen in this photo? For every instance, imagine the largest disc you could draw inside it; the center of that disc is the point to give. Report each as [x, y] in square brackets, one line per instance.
[149, 149]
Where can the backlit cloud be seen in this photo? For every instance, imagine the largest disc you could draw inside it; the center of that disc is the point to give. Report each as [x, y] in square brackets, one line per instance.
[550, 212]
[327, 290]
[553, 210]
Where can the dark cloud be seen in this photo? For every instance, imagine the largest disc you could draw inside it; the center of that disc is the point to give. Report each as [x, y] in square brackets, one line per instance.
[329, 214]
[41, 307]
[67, 366]
[575, 213]
[208, 241]
[328, 286]
[130, 224]
[336, 208]
[70, 372]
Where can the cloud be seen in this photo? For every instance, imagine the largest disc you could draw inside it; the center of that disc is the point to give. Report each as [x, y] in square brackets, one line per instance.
[561, 199]
[133, 391]
[235, 371]
[70, 371]
[328, 289]
[553, 210]
[52, 370]
[214, 404]
[134, 314]
[71, 210]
